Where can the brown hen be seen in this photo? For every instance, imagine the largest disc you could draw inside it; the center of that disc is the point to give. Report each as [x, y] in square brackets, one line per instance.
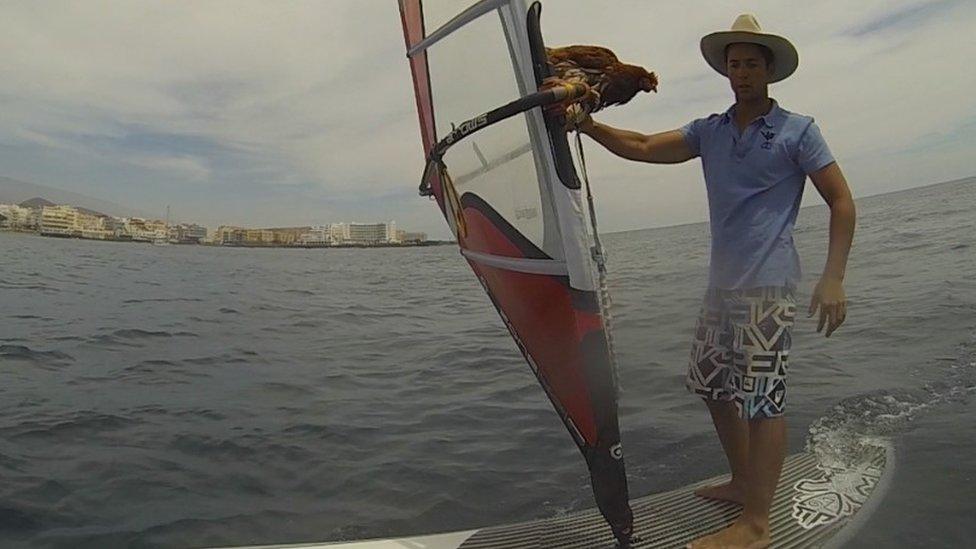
[611, 82]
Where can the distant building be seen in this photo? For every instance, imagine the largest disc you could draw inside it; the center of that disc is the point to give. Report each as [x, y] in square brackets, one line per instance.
[333, 234]
[413, 238]
[88, 225]
[187, 233]
[275, 236]
[257, 237]
[139, 229]
[373, 233]
[18, 217]
[158, 229]
[58, 220]
[339, 232]
[229, 235]
[316, 236]
[288, 236]
[117, 228]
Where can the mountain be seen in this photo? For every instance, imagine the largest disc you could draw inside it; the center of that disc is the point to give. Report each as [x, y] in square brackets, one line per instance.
[13, 191]
[37, 202]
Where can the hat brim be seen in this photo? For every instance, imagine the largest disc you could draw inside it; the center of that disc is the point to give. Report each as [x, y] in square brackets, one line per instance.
[785, 57]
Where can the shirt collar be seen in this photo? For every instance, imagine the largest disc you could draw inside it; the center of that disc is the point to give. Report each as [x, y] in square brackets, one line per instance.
[773, 116]
[768, 119]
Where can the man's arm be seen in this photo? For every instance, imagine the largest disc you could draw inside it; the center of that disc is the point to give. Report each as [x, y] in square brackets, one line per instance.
[659, 148]
[829, 295]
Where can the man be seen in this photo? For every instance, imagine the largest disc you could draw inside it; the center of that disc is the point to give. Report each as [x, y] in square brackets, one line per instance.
[756, 157]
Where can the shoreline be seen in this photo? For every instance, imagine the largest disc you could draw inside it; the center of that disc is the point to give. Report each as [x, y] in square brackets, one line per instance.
[238, 245]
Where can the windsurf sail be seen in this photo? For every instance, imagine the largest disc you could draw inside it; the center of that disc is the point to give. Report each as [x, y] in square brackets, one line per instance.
[503, 177]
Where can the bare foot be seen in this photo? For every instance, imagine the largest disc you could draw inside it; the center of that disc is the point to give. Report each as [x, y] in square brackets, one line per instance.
[724, 492]
[737, 536]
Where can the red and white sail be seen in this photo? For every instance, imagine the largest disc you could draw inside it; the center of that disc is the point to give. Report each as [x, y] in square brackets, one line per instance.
[511, 196]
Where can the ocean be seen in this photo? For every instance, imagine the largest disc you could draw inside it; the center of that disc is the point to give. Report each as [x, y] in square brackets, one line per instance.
[185, 396]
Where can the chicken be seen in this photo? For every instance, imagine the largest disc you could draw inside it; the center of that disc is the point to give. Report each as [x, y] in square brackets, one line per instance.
[611, 82]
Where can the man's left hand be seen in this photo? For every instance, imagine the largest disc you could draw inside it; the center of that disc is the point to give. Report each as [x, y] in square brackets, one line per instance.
[829, 297]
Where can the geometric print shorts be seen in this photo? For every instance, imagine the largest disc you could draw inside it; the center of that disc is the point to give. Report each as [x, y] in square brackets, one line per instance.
[741, 349]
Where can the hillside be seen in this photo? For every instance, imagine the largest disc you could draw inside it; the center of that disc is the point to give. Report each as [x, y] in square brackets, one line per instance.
[14, 191]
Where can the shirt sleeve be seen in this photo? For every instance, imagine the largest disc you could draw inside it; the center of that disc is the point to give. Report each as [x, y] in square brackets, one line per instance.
[812, 151]
[692, 132]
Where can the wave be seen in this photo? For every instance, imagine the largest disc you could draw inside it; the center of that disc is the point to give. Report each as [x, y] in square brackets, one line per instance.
[163, 300]
[133, 337]
[224, 358]
[136, 333]
[28, 286]
[23, 352]
[32, 317]
[82, 424]
[155, 371]
[201, 413]
[204, 320]
[297, 291]
[843, 435]
[197, 445]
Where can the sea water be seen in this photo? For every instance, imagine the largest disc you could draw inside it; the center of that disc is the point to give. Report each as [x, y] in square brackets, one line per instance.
[185, 396]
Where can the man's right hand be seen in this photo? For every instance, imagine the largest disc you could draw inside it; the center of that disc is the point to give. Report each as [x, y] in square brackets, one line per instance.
[570, 119]
[577, 119]
[571, 112]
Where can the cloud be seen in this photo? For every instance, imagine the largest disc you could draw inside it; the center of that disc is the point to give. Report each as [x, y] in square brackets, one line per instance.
[310, 103]
[899, 18]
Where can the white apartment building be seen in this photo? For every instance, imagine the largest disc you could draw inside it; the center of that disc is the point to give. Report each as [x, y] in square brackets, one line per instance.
[373, 233]
[91, 226]
[140, 229]
[335, 234]
[58, 220]
[317, 236]
[70, 221]
[339, 232]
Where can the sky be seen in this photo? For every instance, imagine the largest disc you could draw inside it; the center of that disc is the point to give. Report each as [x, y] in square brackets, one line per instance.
[293, 113]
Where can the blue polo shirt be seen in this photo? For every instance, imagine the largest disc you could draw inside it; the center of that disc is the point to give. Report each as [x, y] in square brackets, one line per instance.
[755, 183]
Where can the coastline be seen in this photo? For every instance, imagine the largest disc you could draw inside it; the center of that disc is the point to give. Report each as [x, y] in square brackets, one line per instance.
[412, 244]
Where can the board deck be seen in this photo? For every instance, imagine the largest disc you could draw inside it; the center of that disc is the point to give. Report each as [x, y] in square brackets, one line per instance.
[814, 506]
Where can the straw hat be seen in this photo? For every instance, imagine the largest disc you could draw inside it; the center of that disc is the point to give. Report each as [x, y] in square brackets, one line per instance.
[746, 29]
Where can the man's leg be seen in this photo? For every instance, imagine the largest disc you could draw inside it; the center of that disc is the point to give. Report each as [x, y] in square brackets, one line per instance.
[767, 450]
[733, 432]
[763, 322]
[709, 377]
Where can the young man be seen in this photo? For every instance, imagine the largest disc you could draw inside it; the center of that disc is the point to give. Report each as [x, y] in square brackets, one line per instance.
[756, 157]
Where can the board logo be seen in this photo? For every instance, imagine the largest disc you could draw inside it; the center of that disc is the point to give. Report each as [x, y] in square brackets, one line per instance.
[768, 135]
[616, 451]
[833, 495]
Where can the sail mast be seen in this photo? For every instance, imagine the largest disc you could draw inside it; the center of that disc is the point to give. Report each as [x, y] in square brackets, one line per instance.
[513, 201]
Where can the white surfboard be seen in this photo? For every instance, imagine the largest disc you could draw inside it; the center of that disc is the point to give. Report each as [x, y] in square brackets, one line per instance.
[816, 505]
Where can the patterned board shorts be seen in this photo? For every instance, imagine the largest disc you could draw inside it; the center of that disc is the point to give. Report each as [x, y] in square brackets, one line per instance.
[741, 349]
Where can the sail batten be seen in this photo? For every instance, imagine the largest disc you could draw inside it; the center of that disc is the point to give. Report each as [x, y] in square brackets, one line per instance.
[533, 266]
[463, 18]
[516, 211]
